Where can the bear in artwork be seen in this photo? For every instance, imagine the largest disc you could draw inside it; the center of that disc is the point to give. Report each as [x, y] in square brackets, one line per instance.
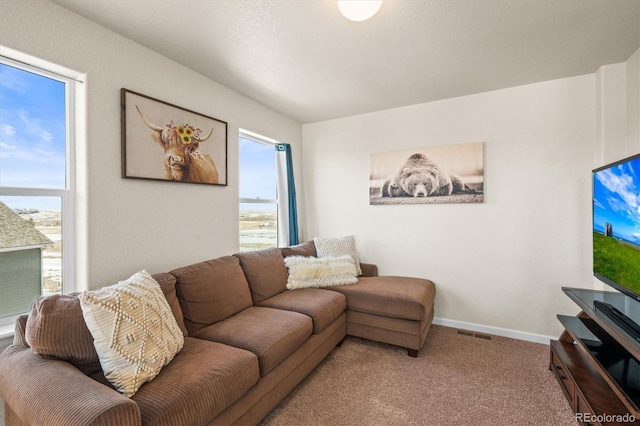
[421, 177]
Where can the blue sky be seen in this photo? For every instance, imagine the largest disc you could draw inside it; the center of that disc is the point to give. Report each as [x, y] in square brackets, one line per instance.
[257, 171]
[32, 130]
[616, 200]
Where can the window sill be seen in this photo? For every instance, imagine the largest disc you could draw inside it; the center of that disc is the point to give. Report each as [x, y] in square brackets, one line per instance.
[5, 339]
[6, 332]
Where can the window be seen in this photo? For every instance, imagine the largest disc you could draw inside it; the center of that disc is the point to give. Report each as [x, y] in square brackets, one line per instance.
[258, 193]
[36, 186]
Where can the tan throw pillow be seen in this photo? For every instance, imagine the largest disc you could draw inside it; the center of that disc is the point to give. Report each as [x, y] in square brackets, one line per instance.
[134, 331]
[332, 247]
[306, 272]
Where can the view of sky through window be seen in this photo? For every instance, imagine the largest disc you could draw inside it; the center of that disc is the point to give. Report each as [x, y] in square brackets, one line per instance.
[32, 133]
[257, 172]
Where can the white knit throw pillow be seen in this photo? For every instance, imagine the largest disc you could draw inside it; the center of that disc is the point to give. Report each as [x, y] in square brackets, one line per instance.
[306, 272]
[134, 331]
[332, 247]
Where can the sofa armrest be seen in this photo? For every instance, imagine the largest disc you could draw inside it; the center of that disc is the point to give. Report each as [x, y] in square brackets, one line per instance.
[369, 270]
[44, 391]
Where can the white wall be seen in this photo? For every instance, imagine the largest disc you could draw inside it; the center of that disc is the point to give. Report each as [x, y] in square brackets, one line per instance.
[632, 80]
[500, 264]
[133, 224]
[618, 110]
[611, 114]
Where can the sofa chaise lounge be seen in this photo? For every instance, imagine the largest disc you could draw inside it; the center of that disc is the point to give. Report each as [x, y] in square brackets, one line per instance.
[248, 341]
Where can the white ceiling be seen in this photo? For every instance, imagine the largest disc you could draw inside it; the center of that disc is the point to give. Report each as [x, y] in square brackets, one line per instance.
[303, 59]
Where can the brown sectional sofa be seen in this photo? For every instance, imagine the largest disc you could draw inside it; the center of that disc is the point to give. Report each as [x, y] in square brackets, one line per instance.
[248, 342]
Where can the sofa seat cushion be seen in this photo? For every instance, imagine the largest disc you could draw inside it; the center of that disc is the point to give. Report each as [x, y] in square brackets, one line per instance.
[203, 379]
[394, 297]
[322, 306]
[271, 334]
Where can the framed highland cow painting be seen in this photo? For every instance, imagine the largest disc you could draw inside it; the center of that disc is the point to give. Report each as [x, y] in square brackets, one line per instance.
[433, 175]
[161, 141]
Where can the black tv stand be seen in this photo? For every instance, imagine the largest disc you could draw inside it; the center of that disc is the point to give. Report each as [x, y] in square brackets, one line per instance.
[631, 327]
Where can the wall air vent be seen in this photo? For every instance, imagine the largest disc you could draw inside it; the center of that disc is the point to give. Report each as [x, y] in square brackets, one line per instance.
[474, 334]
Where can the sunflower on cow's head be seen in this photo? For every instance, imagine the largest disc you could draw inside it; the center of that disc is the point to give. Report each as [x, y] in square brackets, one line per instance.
[185, 133]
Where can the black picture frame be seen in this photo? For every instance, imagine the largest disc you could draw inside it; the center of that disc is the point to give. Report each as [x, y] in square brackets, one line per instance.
[166, 142]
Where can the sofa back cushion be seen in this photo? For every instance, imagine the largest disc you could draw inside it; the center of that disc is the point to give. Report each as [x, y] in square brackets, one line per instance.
[168, 285]
[265, 271]
[307, 249]
[211, 291]
[56, 329]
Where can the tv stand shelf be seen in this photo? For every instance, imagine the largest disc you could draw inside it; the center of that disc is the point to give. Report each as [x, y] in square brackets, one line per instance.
[596, 359]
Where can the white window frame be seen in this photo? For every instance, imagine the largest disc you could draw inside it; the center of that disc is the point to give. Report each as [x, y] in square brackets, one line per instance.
[66, 194]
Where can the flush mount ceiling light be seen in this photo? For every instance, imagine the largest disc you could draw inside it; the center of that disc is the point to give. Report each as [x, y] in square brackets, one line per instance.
[359, 10]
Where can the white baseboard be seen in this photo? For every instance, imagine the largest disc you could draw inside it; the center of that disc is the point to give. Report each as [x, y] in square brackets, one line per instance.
[496, 331]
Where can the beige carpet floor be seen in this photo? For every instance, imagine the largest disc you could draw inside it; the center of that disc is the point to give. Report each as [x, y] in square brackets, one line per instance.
[456, 380]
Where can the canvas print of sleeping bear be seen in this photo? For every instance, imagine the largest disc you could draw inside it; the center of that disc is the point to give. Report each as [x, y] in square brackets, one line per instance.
[440, 174]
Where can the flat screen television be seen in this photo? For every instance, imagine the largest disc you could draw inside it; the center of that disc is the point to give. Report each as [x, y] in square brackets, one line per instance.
[616, 225]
